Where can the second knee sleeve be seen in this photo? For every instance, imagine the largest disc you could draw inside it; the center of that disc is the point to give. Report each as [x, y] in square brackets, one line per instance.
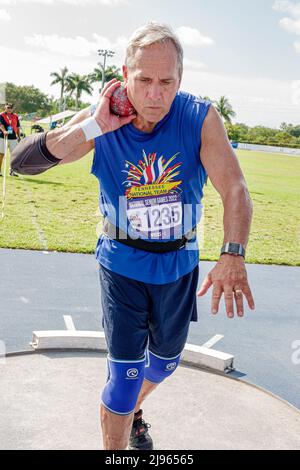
[159, 368]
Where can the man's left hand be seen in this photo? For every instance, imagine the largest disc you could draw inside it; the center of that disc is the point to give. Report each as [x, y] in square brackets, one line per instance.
[229, 276]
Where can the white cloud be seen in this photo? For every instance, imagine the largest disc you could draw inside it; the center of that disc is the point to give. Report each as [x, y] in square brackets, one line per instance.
[75, 47]
[288, 7]
[69, 2]
[192, 37]
[4, 15]
[290, 24]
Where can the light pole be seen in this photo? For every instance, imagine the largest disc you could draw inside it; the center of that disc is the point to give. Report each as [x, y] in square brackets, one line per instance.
[105, 53]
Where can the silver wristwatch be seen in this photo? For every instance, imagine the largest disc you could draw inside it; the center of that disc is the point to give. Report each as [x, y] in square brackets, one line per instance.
[233, 249]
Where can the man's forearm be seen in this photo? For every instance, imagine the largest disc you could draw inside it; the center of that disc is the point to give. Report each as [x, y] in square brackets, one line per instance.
[40, 152]
[238, 209]
[61, 142]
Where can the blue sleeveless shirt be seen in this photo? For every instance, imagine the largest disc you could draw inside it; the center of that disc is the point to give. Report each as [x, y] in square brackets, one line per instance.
[151, 186]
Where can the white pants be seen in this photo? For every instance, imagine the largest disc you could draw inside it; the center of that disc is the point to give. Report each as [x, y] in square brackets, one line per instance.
[11, 145]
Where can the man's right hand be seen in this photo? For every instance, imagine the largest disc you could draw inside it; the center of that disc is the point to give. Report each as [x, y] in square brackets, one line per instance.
[5, 133]
[69, 143]
[108, 121]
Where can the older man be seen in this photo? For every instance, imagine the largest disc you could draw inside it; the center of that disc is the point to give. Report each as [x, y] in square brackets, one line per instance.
[152, 167]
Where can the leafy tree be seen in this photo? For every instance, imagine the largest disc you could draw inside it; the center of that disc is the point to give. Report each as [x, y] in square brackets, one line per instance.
[71, 104]
[225, 109]
[232, 132]
[61, 79]
[77, 84]
[54, 105]
[111, 72]
[242, 129]
[283, 137]
[264, 135]
[27, 99]
[283, 126]
[294, 131]
[237, 132]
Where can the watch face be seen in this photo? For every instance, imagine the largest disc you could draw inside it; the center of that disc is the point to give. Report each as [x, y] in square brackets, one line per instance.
[233, 248]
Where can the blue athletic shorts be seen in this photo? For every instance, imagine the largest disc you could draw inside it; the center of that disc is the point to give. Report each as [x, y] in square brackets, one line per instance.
[137, 315]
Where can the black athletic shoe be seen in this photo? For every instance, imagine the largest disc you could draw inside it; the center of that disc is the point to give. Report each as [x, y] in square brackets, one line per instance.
[139, 437]
[12, 173]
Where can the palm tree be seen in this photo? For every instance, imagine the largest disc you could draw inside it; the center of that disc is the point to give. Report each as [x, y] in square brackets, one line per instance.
[78, 84]
[113, 72]
[100, 76]
[225, 109]
[61, 78]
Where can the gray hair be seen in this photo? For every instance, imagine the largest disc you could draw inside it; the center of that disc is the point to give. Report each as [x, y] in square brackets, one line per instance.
[153, 33]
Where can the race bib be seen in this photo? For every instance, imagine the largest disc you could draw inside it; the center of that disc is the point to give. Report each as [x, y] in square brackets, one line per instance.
[156, 217]
[153, 193]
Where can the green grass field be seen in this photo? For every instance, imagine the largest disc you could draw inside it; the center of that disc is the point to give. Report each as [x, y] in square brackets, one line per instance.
[58, 210]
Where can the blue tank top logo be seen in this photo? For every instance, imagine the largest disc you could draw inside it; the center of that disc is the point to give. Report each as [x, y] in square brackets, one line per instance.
[153, 193]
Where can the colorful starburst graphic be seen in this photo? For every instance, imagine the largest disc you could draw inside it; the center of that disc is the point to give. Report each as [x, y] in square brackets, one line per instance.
[153, 171]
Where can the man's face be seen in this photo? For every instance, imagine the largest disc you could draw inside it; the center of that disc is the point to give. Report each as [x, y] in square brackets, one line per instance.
[153, 80]
[8, 109]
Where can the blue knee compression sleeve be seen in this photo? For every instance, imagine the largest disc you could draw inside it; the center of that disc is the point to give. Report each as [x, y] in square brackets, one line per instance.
[159, 368]
[123, 385]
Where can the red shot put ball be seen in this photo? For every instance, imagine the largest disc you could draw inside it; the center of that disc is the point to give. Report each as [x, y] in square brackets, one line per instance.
[120, 104]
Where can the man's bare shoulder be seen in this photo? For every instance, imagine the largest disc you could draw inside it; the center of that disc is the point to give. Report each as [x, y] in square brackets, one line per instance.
[212, 121]
[213, 132]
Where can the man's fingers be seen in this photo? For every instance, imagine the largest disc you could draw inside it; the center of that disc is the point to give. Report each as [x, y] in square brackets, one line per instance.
[228, 294]
[216, 297]
[205, 286]
[249, 297]
[231, 294]
[107, 85]
[238, 295]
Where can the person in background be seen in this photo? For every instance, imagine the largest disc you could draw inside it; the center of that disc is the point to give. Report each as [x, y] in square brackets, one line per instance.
[10, 128]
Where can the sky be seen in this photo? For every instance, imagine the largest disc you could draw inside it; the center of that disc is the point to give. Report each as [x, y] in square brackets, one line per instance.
[247, 50]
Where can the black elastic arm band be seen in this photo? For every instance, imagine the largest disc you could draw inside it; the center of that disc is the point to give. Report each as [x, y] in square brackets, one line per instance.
[31, 156]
